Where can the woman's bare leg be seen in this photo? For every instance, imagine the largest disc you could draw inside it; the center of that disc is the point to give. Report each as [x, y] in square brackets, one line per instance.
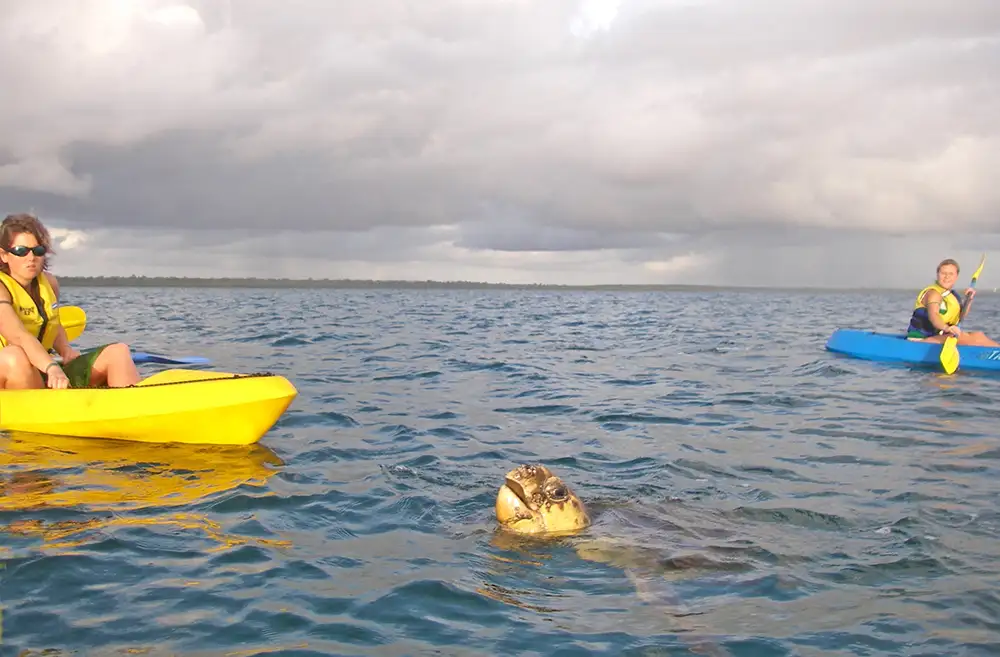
[16, 371]
[977, 339]
[114, 367]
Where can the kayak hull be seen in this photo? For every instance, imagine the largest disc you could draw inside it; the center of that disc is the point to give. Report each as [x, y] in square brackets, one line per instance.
[173, 406]
[894, 347]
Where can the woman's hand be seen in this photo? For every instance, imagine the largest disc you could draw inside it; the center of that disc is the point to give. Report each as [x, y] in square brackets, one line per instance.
[69, 355]
[56, 377]
[970, 292]
[953, 330]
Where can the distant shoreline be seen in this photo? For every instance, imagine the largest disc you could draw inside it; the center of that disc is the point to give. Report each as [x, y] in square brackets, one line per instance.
[353, 284]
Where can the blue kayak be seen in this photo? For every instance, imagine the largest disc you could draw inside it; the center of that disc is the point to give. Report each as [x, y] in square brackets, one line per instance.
[894, 347]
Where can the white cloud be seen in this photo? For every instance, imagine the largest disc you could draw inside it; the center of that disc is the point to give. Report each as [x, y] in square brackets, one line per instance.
[67, 239]
[43, 173]
[594, 16]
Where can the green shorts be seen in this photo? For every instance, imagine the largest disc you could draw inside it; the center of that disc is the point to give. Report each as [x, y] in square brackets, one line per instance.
[78, 370]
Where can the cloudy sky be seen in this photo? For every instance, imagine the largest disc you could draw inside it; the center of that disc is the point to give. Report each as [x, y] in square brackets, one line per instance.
[764, 142]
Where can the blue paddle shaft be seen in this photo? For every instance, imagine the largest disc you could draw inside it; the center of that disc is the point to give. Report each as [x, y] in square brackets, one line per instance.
[145, 357]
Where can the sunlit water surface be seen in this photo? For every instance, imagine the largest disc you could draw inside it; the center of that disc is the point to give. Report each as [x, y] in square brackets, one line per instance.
[752, 493]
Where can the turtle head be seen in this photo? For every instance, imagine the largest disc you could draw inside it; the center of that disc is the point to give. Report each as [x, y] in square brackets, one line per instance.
[532, 500]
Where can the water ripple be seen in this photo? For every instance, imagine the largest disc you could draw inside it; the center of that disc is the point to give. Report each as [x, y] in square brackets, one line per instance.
[751, 493]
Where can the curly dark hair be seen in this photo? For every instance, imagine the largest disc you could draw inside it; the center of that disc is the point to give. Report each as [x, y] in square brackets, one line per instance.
[15, 224]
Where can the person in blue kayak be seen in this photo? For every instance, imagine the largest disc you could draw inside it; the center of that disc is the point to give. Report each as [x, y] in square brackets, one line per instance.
[939, 308]
[29, 299]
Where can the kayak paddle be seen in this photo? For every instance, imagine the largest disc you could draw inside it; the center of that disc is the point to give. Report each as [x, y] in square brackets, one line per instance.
[144, 357]
[949, 350]
[74, 320]
[139, 357]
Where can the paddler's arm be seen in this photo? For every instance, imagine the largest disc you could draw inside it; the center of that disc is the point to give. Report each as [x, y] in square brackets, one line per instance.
[932, 301]
[14, 333]
[969, 293]
[61, 343]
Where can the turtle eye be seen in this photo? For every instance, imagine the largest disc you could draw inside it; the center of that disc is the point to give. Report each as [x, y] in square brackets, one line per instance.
[558, 493]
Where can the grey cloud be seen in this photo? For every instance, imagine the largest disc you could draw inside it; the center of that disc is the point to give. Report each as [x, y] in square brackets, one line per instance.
[799, 258]
[715, 33]
[265, 250]
[713, 120]
[813, 257]
[506, 229]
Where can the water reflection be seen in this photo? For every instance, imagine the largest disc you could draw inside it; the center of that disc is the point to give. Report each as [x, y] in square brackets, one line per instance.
[40, 473]
[68, 534]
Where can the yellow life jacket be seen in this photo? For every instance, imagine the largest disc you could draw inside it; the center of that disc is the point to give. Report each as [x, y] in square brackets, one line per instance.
[38, 321]
[950, 308]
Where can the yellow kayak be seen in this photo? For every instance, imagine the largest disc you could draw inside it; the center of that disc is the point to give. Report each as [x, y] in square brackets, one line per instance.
[172, 406]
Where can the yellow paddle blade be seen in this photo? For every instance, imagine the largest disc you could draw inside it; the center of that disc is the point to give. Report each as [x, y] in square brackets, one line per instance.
[74, 320]
[949, 355]
[979, 269]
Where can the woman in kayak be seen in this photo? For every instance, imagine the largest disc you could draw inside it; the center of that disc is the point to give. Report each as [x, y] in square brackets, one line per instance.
[28, 334]
[939, 308]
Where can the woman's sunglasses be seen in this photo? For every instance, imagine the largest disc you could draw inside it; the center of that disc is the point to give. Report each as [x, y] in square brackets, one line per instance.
[20, 250]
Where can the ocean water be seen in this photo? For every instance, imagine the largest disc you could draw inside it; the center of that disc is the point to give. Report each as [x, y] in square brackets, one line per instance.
[752, 494]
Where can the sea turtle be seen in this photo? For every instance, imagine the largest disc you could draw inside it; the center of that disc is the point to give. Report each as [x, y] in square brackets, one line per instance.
[535, 504]
[532, 500]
